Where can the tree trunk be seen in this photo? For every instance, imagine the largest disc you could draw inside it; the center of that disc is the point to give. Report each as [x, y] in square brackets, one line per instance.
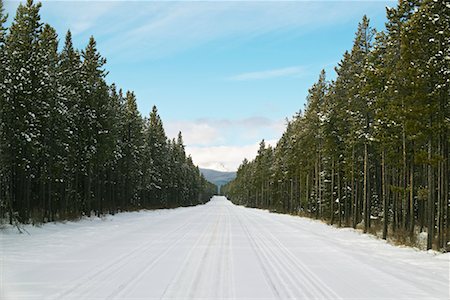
[383, 194]
[300, 192]
[445, 191]
[411, 201]
[404, 182]
[354, 201]
[394, 200]
[339, 195]
[440, 204]
[318, 195]
[430, 200]
[292, 196]
[366, 192]
[332, 193]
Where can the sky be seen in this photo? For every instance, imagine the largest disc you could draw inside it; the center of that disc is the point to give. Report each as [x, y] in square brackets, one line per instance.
[226, 73]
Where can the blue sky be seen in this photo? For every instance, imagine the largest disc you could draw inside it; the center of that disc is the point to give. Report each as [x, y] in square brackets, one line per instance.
[225, 73]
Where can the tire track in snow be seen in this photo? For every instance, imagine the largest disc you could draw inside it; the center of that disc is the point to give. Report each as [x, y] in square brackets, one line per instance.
[272, 261]
[294, 270]
[206, 271]
[220, 268]
[230, 262]
[113, 267]
[181, 285]
[262, 260]
[206, 264]
[290, 276]
[127, 286]
[361, 257]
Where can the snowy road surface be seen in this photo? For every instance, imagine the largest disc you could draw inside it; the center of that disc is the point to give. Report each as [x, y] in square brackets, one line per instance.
[213, 251]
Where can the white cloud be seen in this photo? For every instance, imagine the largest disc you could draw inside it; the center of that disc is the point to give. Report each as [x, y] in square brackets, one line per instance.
[205, 139]
[194, 133]
[228, 156]
[152, 29]
[141, 30]
[79, 16]
[267, 74]
[149, 29]
[216, 132]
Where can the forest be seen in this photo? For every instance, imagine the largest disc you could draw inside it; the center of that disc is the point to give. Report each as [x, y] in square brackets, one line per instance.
[371, 148]
[72, 145]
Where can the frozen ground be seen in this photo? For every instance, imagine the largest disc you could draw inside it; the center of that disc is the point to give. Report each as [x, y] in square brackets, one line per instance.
[212, 251]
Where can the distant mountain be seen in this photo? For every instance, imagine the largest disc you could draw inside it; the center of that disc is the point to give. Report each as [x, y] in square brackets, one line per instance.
[216, 166]
[218, 177]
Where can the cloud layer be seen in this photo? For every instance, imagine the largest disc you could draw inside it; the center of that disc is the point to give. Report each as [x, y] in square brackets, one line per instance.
[152, 29]
[268, 74]
[205, 139]
[152, 49]
[228, 156]
[215, 132]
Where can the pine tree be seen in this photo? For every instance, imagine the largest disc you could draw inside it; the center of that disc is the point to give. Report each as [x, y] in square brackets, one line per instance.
[429, 67]
[115, 188]
[376, 139]
[51, 124]
[181, 191]
[19, 111]
[156, 147]
[69, 143]
[132, 147]
[5, 176]
[3, 30]
[382, 131]
[314, 117]
[71, 92]
[94, 98]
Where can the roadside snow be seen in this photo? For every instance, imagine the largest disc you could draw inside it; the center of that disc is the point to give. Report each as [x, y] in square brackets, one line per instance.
[217, 250]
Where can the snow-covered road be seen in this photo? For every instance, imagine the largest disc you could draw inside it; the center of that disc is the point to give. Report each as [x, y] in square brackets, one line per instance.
[217, 250]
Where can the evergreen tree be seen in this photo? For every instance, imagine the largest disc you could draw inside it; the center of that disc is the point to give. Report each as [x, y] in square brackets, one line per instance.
[69, 143]
[428, 105]
[50, 123]
[5, 175]
[19, 111]
[93, 129]
[181, 170]
[71, 92]
[375, 141]
[156, 147]
[315, 118]
[115, 188]
[132, 147]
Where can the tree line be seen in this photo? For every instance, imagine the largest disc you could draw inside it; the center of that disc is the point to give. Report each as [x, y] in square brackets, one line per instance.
[72, 145]
[371, 148]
